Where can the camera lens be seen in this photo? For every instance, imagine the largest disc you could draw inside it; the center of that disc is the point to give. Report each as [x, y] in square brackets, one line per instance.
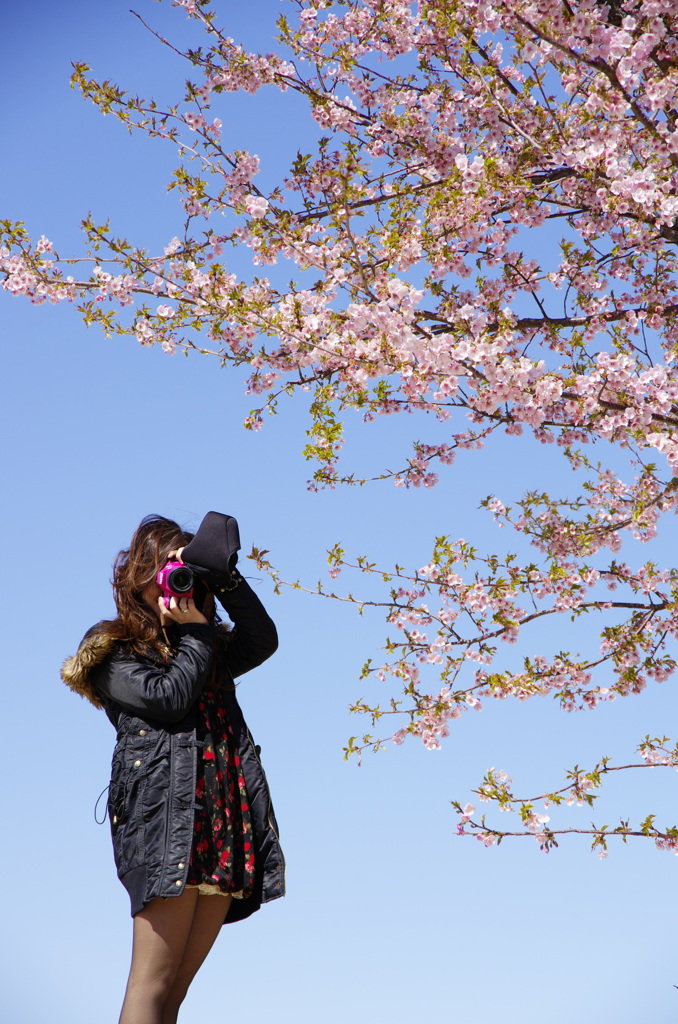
[180, 580]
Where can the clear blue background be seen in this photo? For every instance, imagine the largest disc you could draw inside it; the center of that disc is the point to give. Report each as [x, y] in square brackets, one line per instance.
[389, 916]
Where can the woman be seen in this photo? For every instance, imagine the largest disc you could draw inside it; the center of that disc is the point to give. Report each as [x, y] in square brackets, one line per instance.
[194, 834]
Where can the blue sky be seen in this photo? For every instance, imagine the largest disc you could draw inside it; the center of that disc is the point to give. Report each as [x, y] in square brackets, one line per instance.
[389, 915]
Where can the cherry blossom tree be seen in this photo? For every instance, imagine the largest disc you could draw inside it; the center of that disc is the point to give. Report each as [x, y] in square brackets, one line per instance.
[484, 236]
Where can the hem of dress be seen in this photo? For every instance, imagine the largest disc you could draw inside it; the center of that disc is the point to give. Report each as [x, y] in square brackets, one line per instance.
[205, 889]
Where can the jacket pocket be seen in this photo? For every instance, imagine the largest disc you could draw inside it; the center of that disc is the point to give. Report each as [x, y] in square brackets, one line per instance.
[127, 825]
[117, 789]
[116, 806]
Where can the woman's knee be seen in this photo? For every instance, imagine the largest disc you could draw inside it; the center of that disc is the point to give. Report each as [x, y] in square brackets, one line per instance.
[179, 988]
[154, 980]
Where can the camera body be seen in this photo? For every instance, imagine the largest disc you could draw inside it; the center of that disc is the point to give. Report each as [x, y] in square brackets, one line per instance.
[175, 580]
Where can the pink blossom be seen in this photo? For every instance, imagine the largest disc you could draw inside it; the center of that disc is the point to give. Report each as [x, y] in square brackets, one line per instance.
[256, 206]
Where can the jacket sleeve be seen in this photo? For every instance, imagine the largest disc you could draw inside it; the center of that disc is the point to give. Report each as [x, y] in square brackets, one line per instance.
[253, 638]
[163, 692]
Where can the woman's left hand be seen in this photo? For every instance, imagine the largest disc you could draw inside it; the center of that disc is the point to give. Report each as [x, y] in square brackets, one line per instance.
[176, 555]
[181, 610]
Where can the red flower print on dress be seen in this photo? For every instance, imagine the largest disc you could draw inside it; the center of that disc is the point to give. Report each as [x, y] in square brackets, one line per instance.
[223, 847]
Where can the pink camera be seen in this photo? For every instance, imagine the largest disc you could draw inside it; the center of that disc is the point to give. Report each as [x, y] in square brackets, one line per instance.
[176, 580]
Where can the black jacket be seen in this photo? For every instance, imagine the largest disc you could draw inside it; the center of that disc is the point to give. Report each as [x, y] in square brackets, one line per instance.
[152, 705]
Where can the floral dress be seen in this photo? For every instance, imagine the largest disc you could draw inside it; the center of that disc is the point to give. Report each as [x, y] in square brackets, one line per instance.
[222, 854]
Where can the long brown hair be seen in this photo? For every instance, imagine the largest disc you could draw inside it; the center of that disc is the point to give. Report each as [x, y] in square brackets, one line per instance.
[134, 568]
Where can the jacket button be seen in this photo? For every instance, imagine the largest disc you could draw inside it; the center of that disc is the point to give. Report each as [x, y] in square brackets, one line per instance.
[137, 764]
[178, 882]
[142, 732]
[181, 865]
[115, 819]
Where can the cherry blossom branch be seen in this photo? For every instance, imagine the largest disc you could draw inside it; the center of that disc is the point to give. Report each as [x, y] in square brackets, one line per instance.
[496, 788]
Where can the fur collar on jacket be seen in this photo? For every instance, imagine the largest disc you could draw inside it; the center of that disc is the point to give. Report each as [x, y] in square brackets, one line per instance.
[76, 671]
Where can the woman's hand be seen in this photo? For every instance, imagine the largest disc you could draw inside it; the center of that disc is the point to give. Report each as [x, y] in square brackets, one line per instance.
[181, 610]
[176, 555]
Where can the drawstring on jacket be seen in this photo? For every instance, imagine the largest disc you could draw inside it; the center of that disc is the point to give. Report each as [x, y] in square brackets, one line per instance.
[96, 806]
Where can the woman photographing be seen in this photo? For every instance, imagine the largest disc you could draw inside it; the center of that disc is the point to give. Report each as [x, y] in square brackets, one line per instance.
[194, 834]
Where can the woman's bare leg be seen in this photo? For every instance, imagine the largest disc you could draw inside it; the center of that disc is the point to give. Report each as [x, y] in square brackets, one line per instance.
[209, 917]
[161, 935]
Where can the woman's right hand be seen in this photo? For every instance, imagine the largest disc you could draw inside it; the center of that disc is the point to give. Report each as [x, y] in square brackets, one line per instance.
[181, 610]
